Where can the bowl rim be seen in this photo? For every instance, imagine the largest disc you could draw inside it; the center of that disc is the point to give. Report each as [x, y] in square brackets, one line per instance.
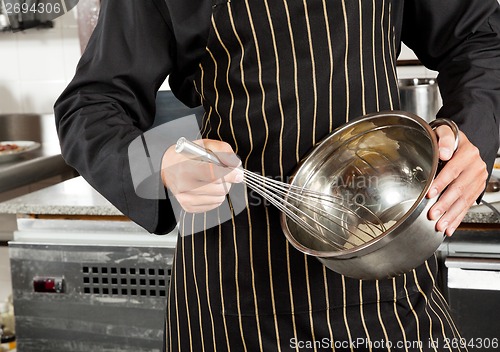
[418, 205]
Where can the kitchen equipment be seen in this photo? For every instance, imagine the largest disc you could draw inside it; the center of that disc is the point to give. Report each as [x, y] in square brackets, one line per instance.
[493, 185]
[316, 209]
[380, 164]
[87, 285]
[420, 96]
[470, 272]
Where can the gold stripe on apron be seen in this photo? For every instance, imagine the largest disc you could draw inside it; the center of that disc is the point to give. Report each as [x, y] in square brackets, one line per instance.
[396, 314]
[209, 302]
[362, 314]
[235, 141]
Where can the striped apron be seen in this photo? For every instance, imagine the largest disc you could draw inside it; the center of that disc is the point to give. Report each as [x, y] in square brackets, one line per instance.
[278, 76]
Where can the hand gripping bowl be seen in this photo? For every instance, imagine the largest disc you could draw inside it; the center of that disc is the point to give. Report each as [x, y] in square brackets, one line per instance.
[383, 162]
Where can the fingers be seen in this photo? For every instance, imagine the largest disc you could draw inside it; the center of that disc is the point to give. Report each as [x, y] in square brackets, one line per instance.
[199, 203]
[194, 174]
[457, 206]
[460, 183]
[446, 142]
[202, 196]
[201, 186]
[465, 158]
[235, 176]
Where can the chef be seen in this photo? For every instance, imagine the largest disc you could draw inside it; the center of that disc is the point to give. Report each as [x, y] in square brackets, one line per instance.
[274, 78]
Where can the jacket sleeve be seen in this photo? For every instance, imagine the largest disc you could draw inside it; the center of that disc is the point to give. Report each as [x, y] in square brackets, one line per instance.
[111, 101]
[461, 40]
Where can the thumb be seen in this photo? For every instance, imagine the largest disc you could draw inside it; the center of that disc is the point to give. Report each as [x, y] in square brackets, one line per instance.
[222, 150]
[235, 176]
[232, 161]
[446, 142]
[228, 158]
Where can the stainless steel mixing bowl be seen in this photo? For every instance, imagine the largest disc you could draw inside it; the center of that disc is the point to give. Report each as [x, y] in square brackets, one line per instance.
[384, 164]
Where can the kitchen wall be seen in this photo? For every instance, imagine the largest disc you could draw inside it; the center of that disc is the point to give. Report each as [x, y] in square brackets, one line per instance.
[413, 71]
[36, 65]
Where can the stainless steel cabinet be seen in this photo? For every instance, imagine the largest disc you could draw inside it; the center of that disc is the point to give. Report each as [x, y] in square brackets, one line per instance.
[88, 289]
[471, 279]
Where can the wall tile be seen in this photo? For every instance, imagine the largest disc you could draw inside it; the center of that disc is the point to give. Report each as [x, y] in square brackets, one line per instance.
[406, 53]
[71, 51]
[41, 56]
[10, 57]
[68, 20]
[37, 65]
[430, 73]
[40, 96]
[411, 72]
[165, 85]
[10, 97]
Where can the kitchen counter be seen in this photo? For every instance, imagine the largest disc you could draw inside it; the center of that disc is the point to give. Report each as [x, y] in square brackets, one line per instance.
[482, 214]
[73, 212]
[72, 197]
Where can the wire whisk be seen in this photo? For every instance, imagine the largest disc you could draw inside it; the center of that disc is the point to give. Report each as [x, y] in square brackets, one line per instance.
[326, 217]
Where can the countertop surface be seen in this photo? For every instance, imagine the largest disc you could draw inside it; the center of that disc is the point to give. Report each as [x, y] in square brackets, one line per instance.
[77, 197]
[481, 214]
[71, 197]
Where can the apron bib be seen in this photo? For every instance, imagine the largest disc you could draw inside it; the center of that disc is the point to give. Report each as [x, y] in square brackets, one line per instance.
[276, 78]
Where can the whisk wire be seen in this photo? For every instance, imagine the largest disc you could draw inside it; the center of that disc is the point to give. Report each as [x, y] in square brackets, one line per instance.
[304, 196]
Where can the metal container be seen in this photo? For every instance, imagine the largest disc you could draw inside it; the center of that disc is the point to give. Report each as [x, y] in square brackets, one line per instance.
[384, 162]
[420, 96]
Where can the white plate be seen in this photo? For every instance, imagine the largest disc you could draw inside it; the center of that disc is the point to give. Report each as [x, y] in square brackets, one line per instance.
[25, 146]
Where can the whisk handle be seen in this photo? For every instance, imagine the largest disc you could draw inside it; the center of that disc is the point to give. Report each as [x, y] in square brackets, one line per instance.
[184, 145]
